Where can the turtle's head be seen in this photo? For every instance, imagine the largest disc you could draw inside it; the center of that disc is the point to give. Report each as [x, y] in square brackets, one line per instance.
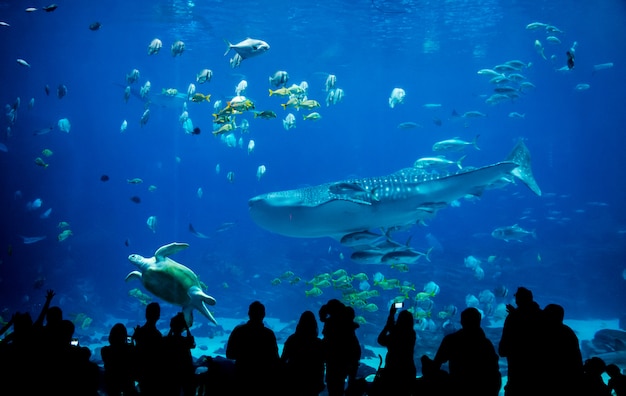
[138, 260]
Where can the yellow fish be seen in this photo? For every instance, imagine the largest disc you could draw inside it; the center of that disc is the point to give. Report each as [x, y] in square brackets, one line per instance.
[41, 162]
[280, 92]
[198, 97]
[314, 292]
[64, 235]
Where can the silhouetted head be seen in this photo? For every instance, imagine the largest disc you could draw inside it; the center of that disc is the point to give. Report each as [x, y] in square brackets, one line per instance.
[523, 297]
[332, 308]
[177, 323]
[153, 312]
[554, 313]
[429, 367]
[470, 318]
[256, 312]
[594, 366]
[54, 315]
[405, 320]
[118, 334]
[22, 321]
[66, 331]
[613, 370]
[307, 325]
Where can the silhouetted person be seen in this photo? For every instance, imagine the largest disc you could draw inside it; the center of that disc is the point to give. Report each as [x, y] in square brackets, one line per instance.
[592, 383]
[120, 363]
[617, 380]
[398, 337]
[472, 359]
[16, 353]
[148, 340]
[253, 348]
[520, 345]
[71, 371]
[179, 369]
[434, 381]
[303, 359]
[341, 345]
[563, 368]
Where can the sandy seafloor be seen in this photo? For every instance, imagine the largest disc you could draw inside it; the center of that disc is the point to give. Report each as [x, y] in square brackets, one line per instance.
[216, 345]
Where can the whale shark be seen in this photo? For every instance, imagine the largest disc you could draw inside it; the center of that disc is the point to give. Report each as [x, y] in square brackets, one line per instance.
[401, 199]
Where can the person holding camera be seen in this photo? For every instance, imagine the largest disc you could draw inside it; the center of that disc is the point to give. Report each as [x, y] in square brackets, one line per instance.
[398, 336]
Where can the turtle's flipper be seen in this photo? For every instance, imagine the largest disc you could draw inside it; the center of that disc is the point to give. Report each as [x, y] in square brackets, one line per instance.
[198, 300]
[133, 275]
[170, 249]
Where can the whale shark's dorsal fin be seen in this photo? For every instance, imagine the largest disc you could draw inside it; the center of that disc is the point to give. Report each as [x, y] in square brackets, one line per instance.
[521, 157]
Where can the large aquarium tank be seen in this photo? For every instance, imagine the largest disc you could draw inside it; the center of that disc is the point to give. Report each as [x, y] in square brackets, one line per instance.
[436, 153]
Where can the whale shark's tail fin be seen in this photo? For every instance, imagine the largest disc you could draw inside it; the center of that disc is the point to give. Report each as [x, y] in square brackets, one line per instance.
[521, 156]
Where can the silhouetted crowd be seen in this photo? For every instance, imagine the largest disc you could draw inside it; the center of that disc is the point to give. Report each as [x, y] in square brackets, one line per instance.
[542, 353]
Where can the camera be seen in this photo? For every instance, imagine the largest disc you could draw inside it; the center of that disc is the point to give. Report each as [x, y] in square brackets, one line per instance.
[398, 305]
[74, 342]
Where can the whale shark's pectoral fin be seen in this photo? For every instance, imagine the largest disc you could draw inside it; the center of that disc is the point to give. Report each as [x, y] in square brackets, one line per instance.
[133, 275]
[198, 300]
[350, 192]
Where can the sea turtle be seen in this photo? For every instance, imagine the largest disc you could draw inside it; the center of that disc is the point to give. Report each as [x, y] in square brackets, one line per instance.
[172, 281]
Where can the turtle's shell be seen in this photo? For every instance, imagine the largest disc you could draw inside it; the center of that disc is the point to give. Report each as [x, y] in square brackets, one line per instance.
[170, 281]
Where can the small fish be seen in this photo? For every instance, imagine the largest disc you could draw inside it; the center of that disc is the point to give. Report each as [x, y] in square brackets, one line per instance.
[266, 114]
[145, 117]
[61, 91]
[279, 78]
[177, 48]
[204, 76]
[30, 240]
[152, 223]
[46, 214]
[196, 233]
[95, 26]
[397, 97]
[40, 162]
[313, 116]
[602, 66]
[248, 48]
[408, 125]
[155, 46]
[582, 87]
[135, 180]
[6, 24]
[104, 178]
[64, 235]
[50, 8]
[135, 199]
[230, 176]
[124, 126]
[23, 62]
[512, 233]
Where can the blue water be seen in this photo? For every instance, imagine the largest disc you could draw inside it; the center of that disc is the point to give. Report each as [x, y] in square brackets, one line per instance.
[431, 49]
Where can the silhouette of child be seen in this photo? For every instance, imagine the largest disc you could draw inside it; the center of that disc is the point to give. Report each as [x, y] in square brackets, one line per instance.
[303, 358]
[178, 360]
[119, 358]
[399, 373]
[617, 381]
